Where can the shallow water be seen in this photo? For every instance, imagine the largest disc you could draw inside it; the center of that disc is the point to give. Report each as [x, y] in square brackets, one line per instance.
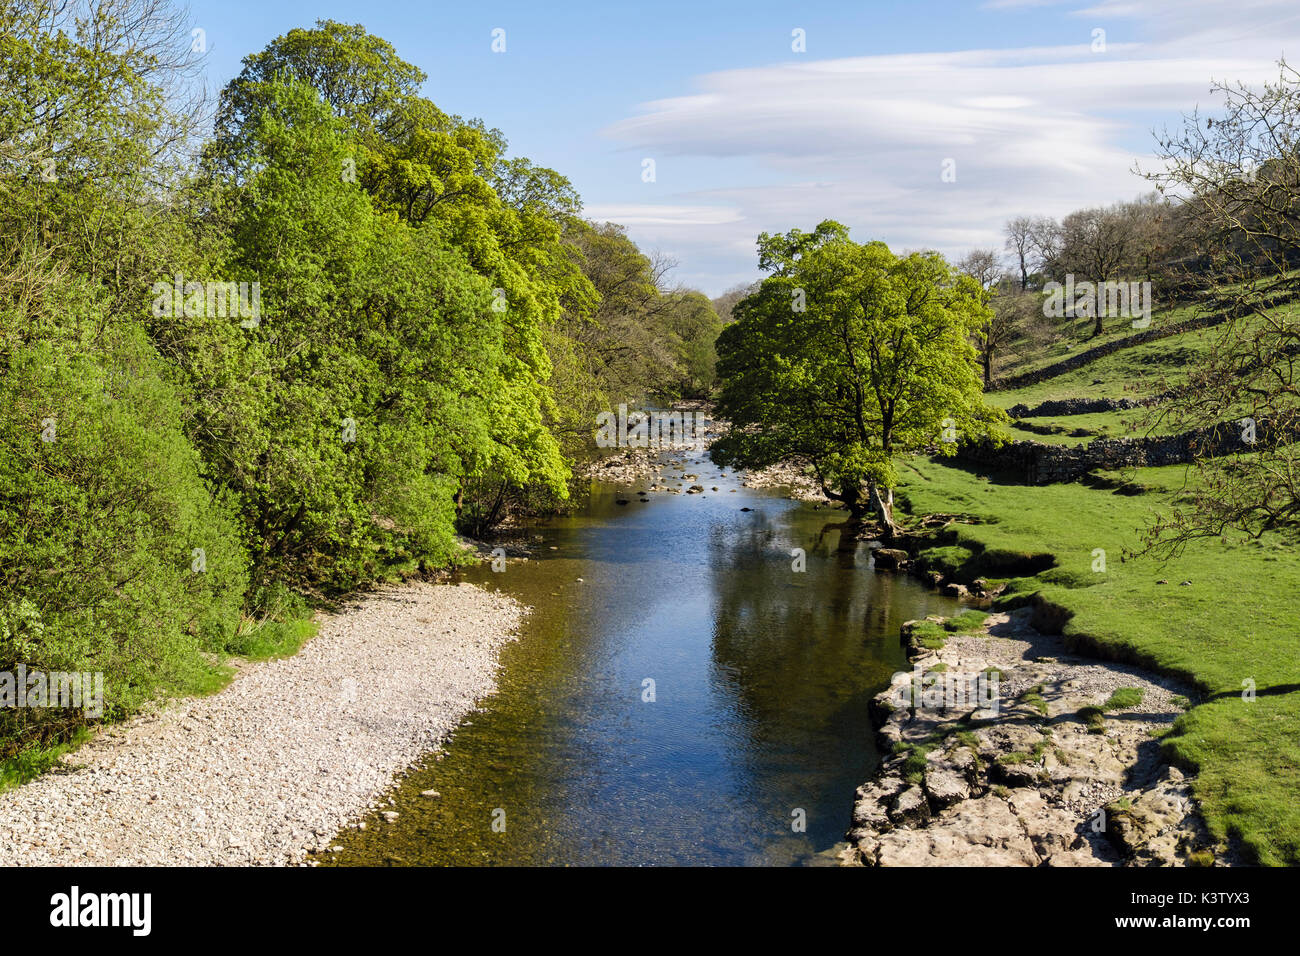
[761, 678]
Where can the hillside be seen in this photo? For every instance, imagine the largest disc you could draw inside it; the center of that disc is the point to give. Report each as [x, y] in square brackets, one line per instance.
[1219, 615]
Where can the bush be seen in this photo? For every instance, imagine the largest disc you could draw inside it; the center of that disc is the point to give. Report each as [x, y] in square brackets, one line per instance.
[116, 556]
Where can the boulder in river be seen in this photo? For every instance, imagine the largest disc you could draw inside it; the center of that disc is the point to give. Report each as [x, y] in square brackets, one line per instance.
[890, 558]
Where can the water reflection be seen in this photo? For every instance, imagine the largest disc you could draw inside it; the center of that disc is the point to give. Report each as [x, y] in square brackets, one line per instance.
[761, 676]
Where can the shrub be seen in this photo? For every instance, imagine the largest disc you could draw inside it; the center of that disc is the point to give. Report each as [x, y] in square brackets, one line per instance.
[115, 556]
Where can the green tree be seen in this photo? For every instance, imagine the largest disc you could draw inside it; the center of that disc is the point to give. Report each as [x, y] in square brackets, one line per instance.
[378, 365]
[429, 168]
[848, 357]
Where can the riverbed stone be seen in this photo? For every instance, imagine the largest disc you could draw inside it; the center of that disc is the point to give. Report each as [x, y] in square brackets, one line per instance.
[890, 558]
[980, 832]
[944, 788]
[910, 807]
[1023, 785]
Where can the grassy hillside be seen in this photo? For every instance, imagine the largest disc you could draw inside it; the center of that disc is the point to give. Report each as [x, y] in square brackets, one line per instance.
[1219, 616]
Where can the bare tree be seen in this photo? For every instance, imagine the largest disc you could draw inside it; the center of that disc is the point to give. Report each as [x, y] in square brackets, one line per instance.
[1238, 176]
[724, 303]
[1020, 243]
[1045, 240]
[1095, 245]
[984, 266]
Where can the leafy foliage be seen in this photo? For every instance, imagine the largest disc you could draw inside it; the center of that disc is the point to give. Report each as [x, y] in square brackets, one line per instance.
[847, 357]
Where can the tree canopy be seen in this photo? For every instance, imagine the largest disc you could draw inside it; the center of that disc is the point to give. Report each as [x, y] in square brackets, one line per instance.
[848, 357]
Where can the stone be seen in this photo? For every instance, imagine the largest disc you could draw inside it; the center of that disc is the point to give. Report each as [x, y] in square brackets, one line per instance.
[890, 558]
[981, 832]
[944, 788]
[910, 807]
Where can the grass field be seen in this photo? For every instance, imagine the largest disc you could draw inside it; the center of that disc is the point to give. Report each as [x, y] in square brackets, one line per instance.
[1234, 622]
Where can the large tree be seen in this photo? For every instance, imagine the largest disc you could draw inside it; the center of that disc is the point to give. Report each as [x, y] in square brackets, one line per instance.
[434, 170]
[848, 357]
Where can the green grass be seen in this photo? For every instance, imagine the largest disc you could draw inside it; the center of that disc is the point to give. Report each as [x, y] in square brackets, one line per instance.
[33, 761]
[263, 640]
[930, 635]
[1235, 621]
[1122, 374]
[946, 559]
[1124, 698]
[965, 622]
[1034, 698]
[1095, 718]
[1077, 337]
[1134, 373]
[913, 769]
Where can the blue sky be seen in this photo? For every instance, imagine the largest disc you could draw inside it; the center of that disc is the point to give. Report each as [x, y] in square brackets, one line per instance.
[748, 135]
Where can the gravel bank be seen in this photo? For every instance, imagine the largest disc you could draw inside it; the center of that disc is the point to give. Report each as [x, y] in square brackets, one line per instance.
[273, 766]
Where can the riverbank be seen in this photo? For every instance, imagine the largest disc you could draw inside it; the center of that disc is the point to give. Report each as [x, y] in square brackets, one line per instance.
[271, 768]
[1058, 764]
[1216, 617]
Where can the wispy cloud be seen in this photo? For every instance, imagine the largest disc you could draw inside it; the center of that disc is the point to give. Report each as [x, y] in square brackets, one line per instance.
[865, 139]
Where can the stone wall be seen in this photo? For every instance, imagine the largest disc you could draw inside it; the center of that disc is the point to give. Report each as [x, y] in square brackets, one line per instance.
[1036, 463]
[1092, 354]
[1078, 406]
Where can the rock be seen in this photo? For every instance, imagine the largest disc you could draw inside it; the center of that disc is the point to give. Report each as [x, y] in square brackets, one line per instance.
[955, 590]
[910, 807]
[871, 808]
[390, 815]
[890, 558]
[982, 832]
[695, 489]
[435, 793]
[944, 788]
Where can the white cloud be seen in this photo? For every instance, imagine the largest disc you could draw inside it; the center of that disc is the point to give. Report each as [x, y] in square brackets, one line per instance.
[1042, 130]
[647, 214]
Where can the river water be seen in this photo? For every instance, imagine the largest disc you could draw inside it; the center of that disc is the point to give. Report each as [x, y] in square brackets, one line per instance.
[747, 745]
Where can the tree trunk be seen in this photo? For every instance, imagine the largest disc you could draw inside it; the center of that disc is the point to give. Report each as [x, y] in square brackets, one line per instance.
[883, 506]
[852, 499]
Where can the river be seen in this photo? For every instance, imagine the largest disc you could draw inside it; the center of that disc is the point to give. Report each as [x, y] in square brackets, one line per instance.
[681, 695]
